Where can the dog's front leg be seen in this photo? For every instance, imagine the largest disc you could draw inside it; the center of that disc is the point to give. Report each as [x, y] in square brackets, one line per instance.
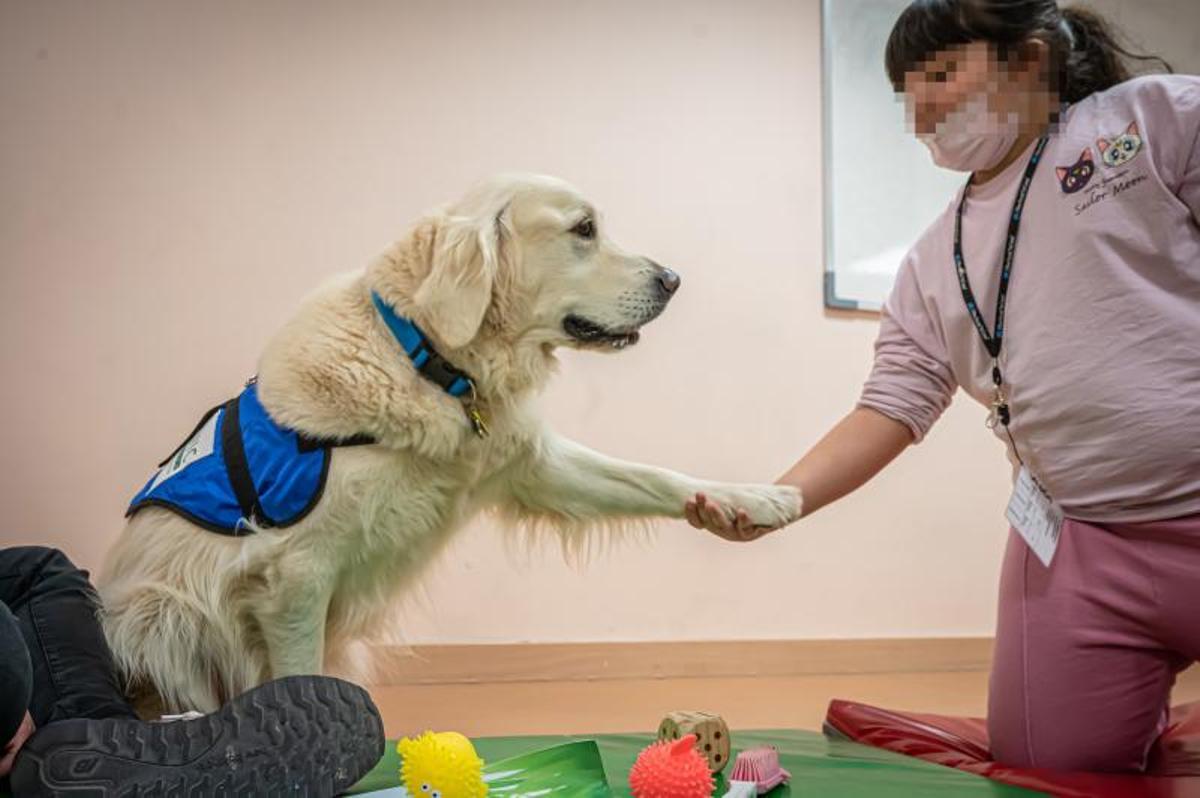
[568, 481]
[293, 628]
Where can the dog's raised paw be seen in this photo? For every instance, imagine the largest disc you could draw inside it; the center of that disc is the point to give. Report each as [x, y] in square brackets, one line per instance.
[766, 505]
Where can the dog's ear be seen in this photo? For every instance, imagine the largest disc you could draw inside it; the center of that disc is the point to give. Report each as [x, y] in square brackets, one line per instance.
[454, 296]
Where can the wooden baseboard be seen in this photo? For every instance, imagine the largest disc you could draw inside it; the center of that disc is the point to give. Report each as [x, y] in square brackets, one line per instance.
[570, 662]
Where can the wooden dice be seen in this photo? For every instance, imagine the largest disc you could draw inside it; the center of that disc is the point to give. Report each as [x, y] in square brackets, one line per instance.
[711, 732]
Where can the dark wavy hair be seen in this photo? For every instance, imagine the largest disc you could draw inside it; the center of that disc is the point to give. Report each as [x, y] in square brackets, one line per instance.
[1087, 53]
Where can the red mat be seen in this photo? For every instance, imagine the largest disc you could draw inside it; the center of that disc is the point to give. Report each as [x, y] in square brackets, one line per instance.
[962, 743]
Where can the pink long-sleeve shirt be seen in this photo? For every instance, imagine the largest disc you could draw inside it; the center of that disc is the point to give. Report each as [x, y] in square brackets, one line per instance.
[1101, 351]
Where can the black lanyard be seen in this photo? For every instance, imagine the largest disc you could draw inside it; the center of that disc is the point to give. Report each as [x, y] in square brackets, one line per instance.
[993, 341]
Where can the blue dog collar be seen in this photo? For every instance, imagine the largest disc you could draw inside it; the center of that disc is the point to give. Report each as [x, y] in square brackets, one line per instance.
[425, 358]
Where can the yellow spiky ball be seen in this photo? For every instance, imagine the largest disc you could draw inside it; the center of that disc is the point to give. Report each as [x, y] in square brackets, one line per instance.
[442, 765]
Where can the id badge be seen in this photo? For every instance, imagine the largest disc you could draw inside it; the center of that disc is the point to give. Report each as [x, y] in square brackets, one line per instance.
[1035, 516]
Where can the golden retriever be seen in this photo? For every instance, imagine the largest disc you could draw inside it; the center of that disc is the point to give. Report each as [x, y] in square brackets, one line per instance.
[497, 282]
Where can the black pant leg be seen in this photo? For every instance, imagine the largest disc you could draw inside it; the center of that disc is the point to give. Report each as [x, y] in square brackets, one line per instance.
[16, 676]
[55, 607]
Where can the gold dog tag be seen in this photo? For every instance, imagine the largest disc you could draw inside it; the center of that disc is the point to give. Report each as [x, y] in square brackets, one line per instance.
[473, 413]
[481, 428]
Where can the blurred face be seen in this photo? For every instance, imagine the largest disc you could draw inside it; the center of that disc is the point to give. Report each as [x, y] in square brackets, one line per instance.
[971, 107]
[947, 79]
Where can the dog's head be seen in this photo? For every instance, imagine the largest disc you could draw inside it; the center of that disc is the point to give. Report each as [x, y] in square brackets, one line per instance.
[526, 258]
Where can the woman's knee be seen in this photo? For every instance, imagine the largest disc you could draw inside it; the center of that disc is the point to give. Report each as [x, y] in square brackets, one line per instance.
[1068, 745]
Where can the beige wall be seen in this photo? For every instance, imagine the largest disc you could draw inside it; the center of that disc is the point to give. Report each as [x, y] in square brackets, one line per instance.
[173, 177]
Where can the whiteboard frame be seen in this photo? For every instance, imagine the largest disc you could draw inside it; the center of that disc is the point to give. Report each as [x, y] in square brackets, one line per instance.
[832, 300]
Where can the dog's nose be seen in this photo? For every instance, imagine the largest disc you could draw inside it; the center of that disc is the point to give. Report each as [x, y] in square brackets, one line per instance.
[669, 281]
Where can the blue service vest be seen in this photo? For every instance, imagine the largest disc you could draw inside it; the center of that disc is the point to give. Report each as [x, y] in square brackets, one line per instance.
[238, 466]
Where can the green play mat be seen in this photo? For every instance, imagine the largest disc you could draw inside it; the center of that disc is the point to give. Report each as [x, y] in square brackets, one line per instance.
[819, 767]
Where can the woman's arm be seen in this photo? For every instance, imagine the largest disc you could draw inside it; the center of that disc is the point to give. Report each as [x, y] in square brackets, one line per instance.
[855, 450]
[847, 457]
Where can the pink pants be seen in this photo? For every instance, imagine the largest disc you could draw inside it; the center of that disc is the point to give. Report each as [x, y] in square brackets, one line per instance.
[1088, 649]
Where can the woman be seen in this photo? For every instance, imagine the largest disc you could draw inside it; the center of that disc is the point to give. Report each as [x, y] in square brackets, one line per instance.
[1085, 191]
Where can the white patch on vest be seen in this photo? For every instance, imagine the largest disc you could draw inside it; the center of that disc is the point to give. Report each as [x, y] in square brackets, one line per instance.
[197, 447]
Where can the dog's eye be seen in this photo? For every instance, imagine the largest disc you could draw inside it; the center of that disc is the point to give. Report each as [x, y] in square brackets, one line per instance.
[585, 229]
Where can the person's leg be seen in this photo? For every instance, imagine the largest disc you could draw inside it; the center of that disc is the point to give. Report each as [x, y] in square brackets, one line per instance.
[1173, 548]
[16, 676]
[16, 685]
[1081, 678]
[55, 606]
[303, 735]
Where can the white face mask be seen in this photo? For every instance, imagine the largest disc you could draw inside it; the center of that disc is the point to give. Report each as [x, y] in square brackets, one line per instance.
[970, 138]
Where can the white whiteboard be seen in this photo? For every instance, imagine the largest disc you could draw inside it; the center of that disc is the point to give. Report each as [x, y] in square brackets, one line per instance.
[881, 188]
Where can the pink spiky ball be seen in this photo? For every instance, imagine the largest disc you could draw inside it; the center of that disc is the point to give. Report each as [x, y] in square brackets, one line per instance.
[671, 769]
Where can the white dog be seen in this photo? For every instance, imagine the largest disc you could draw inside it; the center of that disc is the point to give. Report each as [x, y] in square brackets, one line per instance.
[490, 287]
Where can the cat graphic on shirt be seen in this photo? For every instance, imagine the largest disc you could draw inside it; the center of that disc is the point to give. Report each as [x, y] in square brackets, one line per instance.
[1122, 149]
[1073, 178]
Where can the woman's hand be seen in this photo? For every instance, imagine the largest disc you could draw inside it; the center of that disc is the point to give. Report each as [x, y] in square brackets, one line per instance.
[705, 513]
[9, 752]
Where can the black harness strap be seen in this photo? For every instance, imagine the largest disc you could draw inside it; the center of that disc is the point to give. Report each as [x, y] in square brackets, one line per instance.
[306, 443]
[238, 468]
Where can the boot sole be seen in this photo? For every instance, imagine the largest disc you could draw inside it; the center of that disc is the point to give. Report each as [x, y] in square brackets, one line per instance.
[296, 736]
